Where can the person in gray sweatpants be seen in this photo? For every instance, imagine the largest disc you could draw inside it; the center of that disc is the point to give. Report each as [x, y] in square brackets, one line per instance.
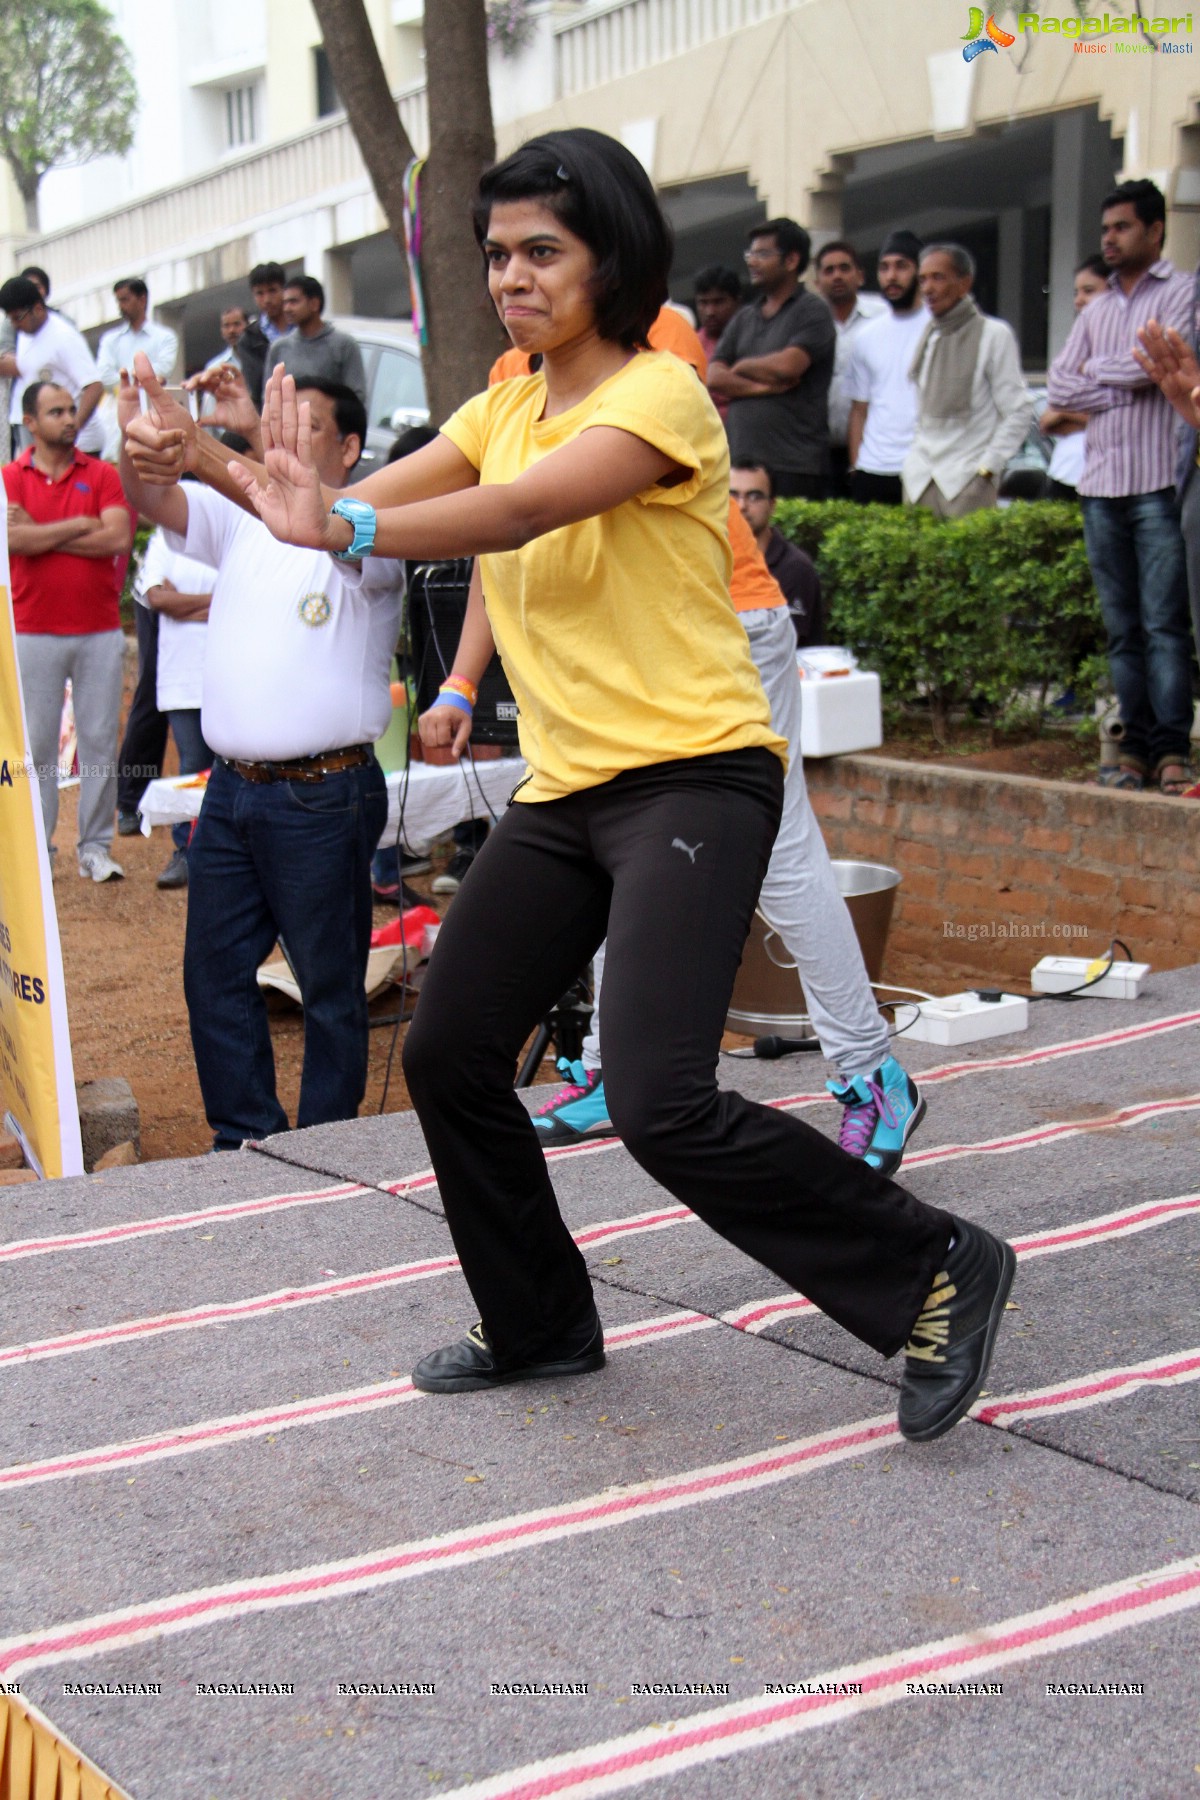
[69, 532]
[93, 663]
[801, 902]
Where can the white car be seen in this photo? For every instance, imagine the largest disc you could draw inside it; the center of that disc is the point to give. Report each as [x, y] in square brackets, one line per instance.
[395, 382]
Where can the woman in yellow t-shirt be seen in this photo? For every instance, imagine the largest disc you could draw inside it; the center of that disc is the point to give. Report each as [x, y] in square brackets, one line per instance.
[595, 494]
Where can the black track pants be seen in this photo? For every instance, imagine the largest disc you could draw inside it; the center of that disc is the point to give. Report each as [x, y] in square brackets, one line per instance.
[667, 861]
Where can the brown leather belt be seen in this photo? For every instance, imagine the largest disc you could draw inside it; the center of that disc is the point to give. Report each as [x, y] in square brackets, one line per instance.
[303, 768]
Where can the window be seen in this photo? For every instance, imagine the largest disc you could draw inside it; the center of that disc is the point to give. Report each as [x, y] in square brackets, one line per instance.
[240, 117]
[327, 94]
[398, 383]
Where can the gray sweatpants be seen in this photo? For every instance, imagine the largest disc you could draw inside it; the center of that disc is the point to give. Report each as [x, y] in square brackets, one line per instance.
[800, 897]
[93, 663]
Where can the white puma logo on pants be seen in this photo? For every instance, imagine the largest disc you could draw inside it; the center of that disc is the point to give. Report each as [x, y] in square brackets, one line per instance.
[678, 844]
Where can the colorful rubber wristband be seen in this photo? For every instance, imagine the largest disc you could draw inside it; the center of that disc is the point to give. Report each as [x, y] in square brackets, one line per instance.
[448, 697]
[458, 684]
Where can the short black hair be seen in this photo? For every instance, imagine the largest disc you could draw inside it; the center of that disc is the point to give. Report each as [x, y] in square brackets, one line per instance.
[31, 272]
[268, 275]
[840, 246]
[1094, 265]
[18, 293]
[1146, 200]
[600, 192]
[29, 399]
[349, 413]
[790, 239]
[309, 286]
[136, 286]
[715, 278]
[745, 463]
[415, 437]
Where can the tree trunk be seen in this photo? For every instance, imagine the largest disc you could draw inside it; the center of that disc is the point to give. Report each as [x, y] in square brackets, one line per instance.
[463, 331]
[28, 186]
[463, 334]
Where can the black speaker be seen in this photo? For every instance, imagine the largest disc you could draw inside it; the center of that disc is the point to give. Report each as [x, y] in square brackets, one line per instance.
[437, 606]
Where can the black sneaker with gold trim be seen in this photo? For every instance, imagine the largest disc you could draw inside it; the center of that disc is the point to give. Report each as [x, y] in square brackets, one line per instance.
[471, 1363]
[947, 1355]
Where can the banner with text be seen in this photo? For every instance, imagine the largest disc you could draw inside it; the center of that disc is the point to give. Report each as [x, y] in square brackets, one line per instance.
[37, 1082]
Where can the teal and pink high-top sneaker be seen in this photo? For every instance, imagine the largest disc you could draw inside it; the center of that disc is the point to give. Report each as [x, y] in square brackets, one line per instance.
[881, 1113]
[578, 1110]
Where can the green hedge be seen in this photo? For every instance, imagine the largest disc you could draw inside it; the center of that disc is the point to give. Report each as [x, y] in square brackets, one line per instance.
[128, 604]
[996, 610]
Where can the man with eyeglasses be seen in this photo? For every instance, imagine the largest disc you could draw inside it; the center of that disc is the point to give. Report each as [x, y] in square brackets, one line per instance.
[752, 491]
[49, 348]
[774, 364]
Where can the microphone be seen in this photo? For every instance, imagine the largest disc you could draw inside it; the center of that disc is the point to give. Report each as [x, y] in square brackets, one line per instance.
[768, 1048]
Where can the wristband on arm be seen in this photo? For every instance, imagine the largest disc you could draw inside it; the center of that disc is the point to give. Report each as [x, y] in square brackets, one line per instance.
[453, 696]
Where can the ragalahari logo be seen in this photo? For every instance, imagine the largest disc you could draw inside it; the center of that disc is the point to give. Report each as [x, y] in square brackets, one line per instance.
[979, 37]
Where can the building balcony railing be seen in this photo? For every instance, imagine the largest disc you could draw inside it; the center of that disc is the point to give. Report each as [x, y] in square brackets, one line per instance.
[628, 35]
[208, 210]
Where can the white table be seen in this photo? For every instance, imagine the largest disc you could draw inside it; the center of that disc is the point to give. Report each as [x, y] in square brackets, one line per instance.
[433, 798]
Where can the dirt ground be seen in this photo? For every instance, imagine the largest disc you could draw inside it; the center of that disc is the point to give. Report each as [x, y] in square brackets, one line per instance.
[123, 959]
[1054, 756]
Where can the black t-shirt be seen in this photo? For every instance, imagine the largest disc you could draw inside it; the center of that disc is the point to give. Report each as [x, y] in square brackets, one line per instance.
[796, 575]
[788, 432]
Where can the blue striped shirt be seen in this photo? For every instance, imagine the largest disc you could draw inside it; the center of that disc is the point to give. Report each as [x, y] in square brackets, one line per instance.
[1131, 426]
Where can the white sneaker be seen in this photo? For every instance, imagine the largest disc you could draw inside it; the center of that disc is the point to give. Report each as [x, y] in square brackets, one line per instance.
[96, 864]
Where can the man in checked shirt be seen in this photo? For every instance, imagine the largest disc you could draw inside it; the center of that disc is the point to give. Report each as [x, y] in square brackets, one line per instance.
[1130, 516]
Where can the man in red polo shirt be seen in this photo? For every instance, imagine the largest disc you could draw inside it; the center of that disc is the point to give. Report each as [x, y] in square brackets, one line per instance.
[69, 532]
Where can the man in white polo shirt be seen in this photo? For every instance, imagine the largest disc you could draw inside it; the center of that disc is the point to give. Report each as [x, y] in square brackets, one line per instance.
[296, 690]
[50, 349]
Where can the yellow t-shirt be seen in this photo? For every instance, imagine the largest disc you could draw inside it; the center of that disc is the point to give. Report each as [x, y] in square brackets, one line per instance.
[617, 634]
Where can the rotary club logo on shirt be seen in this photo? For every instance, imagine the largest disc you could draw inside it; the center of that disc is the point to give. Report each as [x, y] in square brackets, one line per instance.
[315, 609]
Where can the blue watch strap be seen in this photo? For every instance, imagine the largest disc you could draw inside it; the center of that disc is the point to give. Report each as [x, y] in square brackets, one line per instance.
[361, 515]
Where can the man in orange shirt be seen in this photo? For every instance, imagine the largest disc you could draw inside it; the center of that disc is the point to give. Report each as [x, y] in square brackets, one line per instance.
[799, 898]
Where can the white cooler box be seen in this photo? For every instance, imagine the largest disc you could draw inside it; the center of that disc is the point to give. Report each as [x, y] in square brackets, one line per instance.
[840, 713]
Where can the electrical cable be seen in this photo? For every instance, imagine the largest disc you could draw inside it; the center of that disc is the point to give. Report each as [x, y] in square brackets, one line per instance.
[411, 690]
[1073, 993]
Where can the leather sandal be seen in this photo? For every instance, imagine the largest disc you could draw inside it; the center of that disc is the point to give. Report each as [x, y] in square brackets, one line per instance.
[1174, 775]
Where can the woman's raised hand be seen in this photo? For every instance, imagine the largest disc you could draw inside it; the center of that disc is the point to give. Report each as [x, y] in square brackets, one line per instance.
[290, 503]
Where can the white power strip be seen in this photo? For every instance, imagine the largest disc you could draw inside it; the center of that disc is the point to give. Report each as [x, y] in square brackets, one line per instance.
[962, 1018]
[1058, 974]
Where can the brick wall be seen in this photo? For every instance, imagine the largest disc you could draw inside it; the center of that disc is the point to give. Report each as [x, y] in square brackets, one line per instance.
[999, 870]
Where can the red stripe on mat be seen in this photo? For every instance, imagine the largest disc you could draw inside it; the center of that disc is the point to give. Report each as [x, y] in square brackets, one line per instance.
[647, 1755]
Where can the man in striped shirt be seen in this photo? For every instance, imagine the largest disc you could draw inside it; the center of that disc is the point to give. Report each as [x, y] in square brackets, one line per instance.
[1130, 517]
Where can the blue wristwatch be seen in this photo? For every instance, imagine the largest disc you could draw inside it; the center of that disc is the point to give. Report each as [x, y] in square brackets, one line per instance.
[361, 515]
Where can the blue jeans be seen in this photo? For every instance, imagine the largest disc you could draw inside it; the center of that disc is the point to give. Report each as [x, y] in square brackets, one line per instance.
[194, 755]
[290, 860]
[1135, 548]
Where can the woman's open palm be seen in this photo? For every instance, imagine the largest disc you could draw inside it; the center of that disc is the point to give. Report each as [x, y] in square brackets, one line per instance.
[291, 503]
